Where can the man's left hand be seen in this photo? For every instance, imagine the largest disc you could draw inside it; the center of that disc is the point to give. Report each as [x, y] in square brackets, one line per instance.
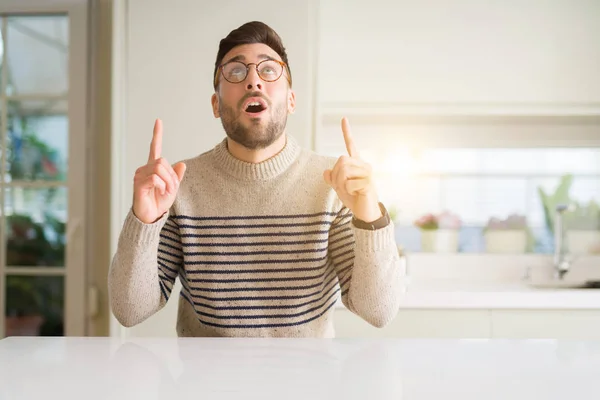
[351, 178]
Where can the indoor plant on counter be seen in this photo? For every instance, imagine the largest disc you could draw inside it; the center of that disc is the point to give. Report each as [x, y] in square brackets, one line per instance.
[508, 235]
[582, 227]
[439, 233]
[581, 222]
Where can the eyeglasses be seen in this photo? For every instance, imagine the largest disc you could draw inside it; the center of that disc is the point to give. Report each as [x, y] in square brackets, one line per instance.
[237, 71]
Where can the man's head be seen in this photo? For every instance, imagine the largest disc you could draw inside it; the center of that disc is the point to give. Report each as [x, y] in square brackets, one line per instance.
[252, 82]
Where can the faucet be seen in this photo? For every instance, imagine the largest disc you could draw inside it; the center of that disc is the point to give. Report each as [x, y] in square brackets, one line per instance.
[562, 263]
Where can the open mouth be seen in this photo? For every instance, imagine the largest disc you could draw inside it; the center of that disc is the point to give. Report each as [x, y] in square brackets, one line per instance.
[255, 106]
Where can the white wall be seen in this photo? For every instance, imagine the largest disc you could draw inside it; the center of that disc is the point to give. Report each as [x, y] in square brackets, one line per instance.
[459, 52]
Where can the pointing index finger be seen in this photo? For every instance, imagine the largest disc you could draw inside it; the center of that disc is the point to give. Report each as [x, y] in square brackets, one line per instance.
[156, 144]
[350, 146]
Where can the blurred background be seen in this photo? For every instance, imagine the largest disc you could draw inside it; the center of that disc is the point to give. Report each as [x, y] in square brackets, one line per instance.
[479, 118]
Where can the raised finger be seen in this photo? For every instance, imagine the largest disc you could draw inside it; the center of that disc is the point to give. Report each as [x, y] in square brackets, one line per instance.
[350, 145]
[156, 144]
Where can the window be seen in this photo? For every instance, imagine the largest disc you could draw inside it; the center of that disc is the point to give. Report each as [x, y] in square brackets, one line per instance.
[42, 170]
[475, 175]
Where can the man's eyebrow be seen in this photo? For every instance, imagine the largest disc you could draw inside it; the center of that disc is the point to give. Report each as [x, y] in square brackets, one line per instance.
[241, 57]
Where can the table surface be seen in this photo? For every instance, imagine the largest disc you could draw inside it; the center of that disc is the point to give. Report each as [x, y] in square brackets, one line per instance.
[212, 368]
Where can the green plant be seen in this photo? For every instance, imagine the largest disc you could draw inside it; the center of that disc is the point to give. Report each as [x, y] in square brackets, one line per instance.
[28, 242]
[583, 217]
[30, 157]
[551, 201]
[22, 297]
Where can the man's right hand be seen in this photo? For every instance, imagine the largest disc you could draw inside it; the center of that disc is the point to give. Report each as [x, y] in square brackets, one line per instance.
[155, 184]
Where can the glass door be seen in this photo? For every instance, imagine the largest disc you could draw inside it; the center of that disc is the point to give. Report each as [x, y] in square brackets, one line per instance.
[42, 170]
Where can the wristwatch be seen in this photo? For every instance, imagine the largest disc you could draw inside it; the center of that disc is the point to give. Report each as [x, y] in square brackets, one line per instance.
[382, 222]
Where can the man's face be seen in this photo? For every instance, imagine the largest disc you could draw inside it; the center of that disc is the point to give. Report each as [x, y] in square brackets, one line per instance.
[253, 112]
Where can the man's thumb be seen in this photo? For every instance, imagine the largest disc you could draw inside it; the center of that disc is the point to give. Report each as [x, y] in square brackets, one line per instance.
[179, 169]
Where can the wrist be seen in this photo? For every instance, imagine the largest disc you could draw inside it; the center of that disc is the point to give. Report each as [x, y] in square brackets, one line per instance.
[370, 215]
[381, 222]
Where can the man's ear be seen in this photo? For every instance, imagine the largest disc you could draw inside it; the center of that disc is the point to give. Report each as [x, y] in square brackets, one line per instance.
[214, 100]
[291, 101]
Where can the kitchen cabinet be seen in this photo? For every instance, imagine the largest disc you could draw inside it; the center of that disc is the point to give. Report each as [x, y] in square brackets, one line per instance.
[468, 53]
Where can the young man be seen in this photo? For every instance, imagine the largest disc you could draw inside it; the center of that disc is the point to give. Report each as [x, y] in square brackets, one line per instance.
[263, 235]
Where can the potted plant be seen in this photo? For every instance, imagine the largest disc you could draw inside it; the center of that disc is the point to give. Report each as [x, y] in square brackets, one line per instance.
[439, 233]
[551, 200]
[508, 235]
[24, 315]
[582, 224]
[582, 227]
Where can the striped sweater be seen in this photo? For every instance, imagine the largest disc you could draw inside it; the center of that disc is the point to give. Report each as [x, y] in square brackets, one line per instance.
[260, 250]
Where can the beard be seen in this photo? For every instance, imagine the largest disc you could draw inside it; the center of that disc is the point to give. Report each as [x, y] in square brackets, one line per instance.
[259, 135]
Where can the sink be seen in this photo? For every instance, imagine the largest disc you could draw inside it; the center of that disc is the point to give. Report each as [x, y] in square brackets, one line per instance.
[580, 276]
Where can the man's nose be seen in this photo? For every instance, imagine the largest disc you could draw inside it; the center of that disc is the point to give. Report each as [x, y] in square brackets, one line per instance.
[253, 81]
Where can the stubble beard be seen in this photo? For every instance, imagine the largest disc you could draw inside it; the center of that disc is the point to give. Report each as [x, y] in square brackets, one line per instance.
[260, 134]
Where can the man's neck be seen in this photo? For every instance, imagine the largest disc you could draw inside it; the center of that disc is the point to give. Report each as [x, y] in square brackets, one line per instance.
[259, 155]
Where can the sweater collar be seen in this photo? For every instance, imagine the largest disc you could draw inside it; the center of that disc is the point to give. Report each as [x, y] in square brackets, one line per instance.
[265, 170]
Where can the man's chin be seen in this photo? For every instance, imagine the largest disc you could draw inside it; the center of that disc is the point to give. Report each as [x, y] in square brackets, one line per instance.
[255, 140]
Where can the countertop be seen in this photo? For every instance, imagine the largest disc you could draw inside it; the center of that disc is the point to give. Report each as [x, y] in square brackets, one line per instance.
[473, 294]
[210, 368]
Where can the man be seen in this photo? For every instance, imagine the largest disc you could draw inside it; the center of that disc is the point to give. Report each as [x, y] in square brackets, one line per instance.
[263, 235]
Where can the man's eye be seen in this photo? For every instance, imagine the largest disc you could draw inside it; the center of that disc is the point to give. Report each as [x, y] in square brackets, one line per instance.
[237, 72]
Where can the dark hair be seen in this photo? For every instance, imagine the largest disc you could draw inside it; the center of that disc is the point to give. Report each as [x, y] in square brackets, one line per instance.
[249, 33]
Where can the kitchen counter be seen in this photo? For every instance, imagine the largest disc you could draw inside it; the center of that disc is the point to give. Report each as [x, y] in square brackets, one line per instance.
[473, 294]
[207, 368]
[478, 281]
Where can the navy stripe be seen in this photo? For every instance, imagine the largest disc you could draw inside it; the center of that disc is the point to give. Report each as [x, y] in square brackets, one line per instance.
[241, 235]
[178, 257]
[253, 271]
[261, 289]
[230, 218]
[259, 280]
[347, 280]
[264, 325]
[333, 280]
[333, 286]
[164, 281]
[333, 234]
[341, 264]
[177, 263]
[174, 240]
[277, 307]
[255, 226]
[343, 273]
[341, 247]
[237, 244]
[165, 229]
[342, 225]
[340, 239]
[171, 223]
[266, 316]
[252, 253]
[289, 261]
[163, 291]
[167, 268]
[344, 253]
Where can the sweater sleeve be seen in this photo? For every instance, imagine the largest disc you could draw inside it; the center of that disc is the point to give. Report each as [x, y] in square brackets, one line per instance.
[368, 268]
[143, 271]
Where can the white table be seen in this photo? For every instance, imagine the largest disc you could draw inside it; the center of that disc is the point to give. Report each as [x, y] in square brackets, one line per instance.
[181, 369]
